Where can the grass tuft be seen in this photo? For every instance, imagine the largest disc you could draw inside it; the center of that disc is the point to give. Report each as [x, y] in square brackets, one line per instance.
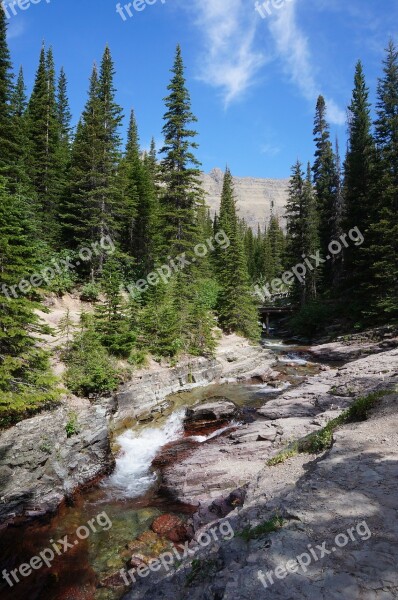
[323, 439]
[252, 533]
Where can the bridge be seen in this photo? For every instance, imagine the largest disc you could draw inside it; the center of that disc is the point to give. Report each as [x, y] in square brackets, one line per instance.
[278, 304]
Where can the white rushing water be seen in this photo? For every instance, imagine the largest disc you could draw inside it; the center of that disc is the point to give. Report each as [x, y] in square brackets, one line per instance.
[132, 476]
[204, 438]
[293, 358]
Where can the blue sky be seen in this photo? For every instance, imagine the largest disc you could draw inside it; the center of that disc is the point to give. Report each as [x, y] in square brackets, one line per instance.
[253, 81]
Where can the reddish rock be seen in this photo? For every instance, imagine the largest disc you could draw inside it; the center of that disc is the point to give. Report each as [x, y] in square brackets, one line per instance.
[113, 581]
[171, 527]
[76, 592]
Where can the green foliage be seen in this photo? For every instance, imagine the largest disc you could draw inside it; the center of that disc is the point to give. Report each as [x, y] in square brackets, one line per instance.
[138, 358]
[62, 280]
[326, 183]
[302, 227]
[44, 138]
[9, 155]
[201, 570]
[359, 201]
[46, 446]
[90, 370]
[72, 425]
[179, 168]
[281, 457]
[208, 292]
[90, 292]
[26, 383]
[92, 207]
[253, 533]
[112, 317]
[311, 319]
[359, 410]
[237, 307]
[381, 282]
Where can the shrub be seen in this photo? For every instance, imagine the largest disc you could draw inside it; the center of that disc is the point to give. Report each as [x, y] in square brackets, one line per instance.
[138, 358]
[90, 292]
[72, 426]
[64, 279]
[90, 370]
[251, 533]
[311, 319]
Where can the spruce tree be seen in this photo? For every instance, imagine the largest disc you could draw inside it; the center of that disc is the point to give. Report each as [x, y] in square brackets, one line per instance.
[180, 167]
[64, 118]
[302, 230]
[128, 170]
[19, 121]
[25, 381]
[278, 246]
[325, 180]
[383, 232]
[237, 307]
[93, 207]
[267, 264]
[358, 174]
[182, 212]
[43, 131]
[10, 152]
[141, 191]
[112, 318]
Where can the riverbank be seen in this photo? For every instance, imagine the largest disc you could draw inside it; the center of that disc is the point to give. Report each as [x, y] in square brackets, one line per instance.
[208, 446]
[317, 497]
[41, 467]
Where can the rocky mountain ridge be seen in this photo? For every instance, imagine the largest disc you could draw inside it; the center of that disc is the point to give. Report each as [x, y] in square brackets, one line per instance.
[256, 197]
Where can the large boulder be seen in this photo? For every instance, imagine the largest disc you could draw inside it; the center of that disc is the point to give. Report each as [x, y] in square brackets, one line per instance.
[217, 411]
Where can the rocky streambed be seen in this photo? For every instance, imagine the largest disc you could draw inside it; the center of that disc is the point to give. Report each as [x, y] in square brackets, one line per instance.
[187, 454]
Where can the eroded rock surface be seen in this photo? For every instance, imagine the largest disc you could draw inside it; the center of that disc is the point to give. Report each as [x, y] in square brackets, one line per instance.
[342, 504]
[40, 465]
[224, 463]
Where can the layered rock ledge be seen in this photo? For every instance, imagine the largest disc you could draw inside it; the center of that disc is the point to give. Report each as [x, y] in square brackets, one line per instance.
[40, 466]
[351, 487]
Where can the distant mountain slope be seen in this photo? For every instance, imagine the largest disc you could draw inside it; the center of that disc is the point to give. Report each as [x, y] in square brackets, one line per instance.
[254, 196]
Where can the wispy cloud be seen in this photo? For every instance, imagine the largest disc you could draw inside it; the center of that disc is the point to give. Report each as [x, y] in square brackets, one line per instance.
[16, 28]
[293, 48]
[232, 58]
[270, 149]
[230, 61]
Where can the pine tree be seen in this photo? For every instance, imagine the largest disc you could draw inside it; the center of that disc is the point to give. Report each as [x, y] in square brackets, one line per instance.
[141, 189]
[325, 180]
[267, 265]
[25, 381]
[237, 308]
[278, 246]
[180, 168]
[383, 232]
[93, 207]
[19, 121]
[112, 319]
[302, 230]
[43, 128]
[64, 118]
[358, 173]
[338, 212]
[128, 169]
[249, 244]
[84, 175]
[10, 152]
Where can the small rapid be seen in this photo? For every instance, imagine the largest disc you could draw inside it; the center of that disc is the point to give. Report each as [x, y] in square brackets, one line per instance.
[133, 476]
